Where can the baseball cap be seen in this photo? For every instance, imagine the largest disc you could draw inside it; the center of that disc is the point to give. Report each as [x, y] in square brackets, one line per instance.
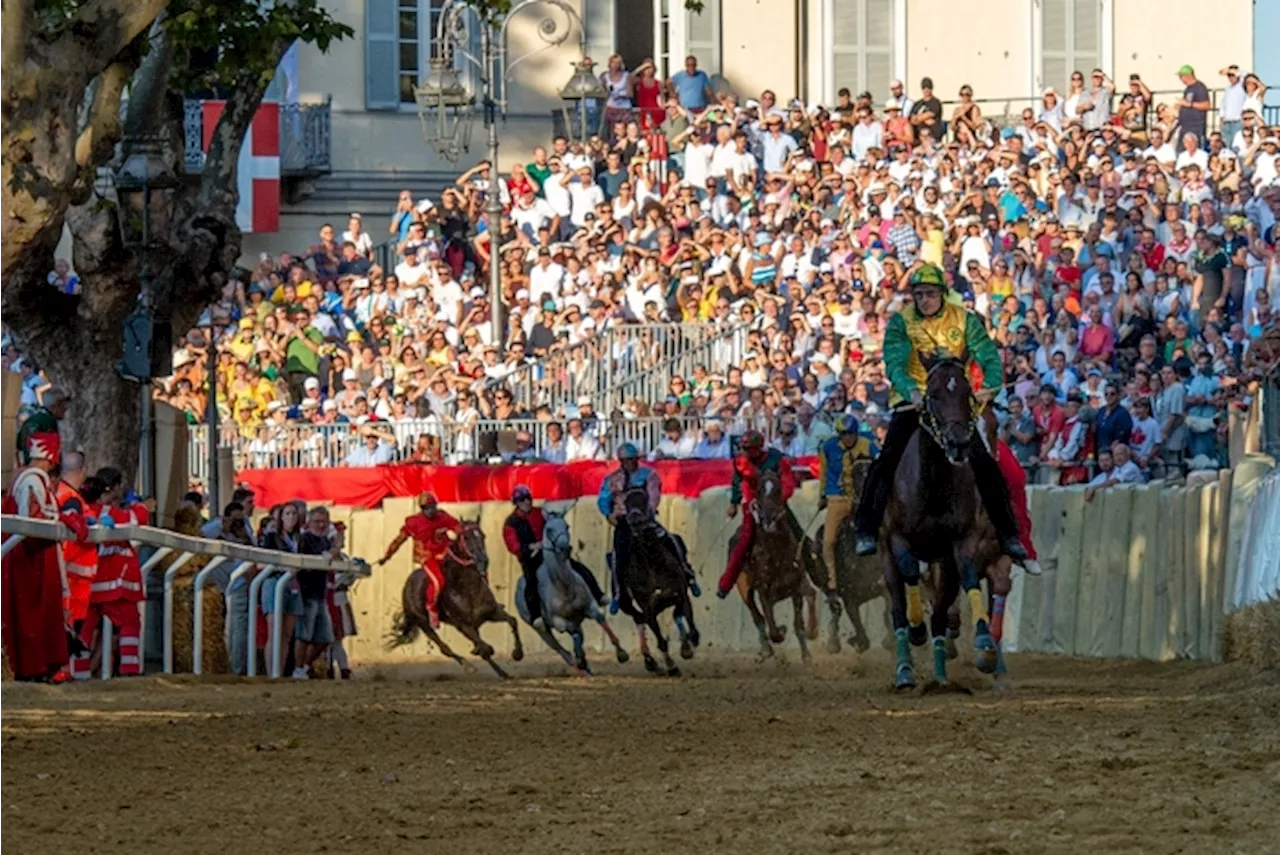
[311, 383]
[348, 374]
[1186, 69]
[329, 405]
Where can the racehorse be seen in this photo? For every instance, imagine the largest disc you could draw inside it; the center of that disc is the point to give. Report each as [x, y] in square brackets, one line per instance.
[465, 604]
[775, 572]
[653, 581]
[933, 515]
[566, 600]
[859, 579]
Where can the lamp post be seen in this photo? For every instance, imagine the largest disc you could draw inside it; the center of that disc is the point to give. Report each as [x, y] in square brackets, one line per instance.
[444, 103]
[146, 189]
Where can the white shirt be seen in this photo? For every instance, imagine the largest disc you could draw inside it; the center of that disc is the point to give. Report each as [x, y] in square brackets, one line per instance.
[584, 199]
[1232, 101]
[679, 449]
[449, 297]
[1163, 154]
[557, 195]
[364, 243]
[708, 450]
[585, 447]
[536, 215]
[410, 275]
[545, 280]
[1199, 157]
[697, 163]
[866, 137]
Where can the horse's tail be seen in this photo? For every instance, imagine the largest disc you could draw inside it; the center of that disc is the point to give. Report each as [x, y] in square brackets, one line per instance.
[404, 630]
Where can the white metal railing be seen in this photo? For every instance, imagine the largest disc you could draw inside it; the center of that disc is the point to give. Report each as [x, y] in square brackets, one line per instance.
[15, 529]
[485, 440]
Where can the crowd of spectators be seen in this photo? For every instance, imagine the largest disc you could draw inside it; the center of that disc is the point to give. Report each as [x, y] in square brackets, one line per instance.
[1120, 244]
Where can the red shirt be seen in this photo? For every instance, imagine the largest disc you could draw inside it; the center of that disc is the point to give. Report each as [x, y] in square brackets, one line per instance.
[119, 574]
[1049, 422]
[1153, 256]
[511, 535]
[430, 542]
[749, 471]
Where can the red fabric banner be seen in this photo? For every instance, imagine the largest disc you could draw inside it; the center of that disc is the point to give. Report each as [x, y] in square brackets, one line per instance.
[367, 487]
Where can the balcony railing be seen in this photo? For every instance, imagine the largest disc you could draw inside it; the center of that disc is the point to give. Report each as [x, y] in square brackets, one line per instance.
[305, 138]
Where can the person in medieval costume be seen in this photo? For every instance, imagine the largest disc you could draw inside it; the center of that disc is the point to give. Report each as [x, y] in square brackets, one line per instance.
[42, 419]
[35, 586]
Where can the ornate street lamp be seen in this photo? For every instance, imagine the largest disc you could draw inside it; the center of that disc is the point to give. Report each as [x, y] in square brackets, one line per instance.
[444, 108]
[146, 201]
[583, 92]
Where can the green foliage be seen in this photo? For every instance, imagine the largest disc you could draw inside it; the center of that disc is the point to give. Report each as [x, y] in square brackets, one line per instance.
[245, 35]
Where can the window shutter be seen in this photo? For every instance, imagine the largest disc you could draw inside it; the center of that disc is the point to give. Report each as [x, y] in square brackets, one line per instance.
[1056, 56]
[702, 36]
[597, 19]
[878, 65]
[381, 56]
[1086, 30]
[844, 46]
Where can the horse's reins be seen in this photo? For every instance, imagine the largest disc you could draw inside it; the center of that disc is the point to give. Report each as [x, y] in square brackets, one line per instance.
[452, 552]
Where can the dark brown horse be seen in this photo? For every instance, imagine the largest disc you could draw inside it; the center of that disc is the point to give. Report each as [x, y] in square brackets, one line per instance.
[933, 516]
[774, 571]
[859, 579]
[652, 580]
[466, 603]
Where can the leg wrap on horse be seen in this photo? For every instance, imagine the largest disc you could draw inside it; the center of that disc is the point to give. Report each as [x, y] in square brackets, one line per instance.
[994, 491]
[915, 607]
[875, 492]
[997, 616]
[978, 607]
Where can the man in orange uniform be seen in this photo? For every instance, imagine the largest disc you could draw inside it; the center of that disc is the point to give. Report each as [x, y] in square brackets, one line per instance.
[432, 532]
[34, 620]
[79, 559]
[117, 587]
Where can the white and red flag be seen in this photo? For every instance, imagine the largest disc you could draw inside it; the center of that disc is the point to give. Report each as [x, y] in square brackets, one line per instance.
[258, 170]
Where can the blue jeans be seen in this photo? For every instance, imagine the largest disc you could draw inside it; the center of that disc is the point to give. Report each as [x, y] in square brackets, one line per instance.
[238, 603]
[1201, 443]
[1229, 130]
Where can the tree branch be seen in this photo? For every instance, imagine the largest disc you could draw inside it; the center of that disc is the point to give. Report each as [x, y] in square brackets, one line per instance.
[17, 21]
[103, 28]
[101, 131]
[146, 95]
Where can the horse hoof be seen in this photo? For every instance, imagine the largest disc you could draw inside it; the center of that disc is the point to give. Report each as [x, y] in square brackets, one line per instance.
[650, 664]
[765, 654]
[517, 654]
[988, 655]
[695, 638]
[906, 678]
[779, 636]
[468, 668]
[686, 649]
[919, 634]
[806, 657]
[833, 643]
[673, 671]
[623, 656]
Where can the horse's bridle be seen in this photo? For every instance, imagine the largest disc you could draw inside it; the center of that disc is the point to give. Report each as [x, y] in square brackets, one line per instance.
[930, 423]
[464, 557]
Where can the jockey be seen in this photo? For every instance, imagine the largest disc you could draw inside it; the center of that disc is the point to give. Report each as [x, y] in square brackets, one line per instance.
[433, 531]
[522, 534]
[932, 325]
[747, 466]
[837, 457]
[628, 475]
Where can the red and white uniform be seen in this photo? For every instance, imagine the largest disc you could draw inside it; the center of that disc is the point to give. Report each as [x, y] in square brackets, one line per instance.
[33, 615]
[339, 605]
[80, 560]
[116, 591]
[1016, 479]
[430, 544]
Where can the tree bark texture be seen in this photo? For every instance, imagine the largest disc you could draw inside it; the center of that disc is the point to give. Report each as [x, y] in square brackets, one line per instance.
[78, 340]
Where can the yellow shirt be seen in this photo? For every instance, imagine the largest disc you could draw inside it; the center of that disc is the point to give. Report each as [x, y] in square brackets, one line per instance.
[931, 247]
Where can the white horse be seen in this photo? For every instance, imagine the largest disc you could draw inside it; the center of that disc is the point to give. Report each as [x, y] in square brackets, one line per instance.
[566, 600]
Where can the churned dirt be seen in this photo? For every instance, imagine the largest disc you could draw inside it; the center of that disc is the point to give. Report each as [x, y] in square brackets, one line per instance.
[1071, 756]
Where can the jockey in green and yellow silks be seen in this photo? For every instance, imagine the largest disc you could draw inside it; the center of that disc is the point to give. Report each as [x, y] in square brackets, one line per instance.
[930, 328]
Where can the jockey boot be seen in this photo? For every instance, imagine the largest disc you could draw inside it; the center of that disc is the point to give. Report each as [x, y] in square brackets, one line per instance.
[1011, 545]
[1032, 566]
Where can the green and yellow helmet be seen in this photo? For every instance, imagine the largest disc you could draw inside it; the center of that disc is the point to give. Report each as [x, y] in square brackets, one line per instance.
[929, 274]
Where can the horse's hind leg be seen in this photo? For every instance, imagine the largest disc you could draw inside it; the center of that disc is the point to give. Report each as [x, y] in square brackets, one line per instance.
[482, 648]
[664, 647]
[434, 637]
[905, 674]
[988, 654]
[811, 598]
[579, 651]
[650, 664]
[999, 583]
[860, 640]
[797, 601]
[517, 646]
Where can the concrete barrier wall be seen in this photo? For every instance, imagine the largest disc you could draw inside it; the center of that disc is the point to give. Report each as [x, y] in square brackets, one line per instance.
[1139, 572]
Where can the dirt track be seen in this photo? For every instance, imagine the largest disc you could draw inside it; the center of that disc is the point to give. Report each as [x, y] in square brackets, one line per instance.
[1074, 757]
